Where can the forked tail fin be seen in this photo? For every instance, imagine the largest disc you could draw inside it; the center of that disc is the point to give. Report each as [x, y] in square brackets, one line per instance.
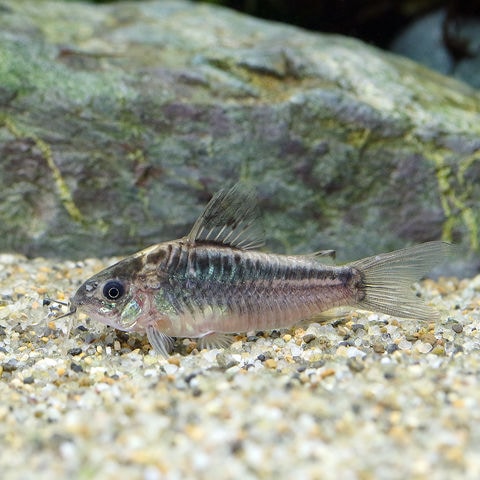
[387, 280]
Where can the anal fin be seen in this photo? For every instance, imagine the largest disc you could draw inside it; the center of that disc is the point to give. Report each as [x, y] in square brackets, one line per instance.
[331, 315]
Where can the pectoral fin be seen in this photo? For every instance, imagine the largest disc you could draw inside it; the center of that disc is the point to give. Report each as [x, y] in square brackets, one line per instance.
[162, 343]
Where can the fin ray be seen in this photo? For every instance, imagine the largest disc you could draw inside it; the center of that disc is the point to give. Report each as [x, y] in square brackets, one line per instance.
[388, 278]
[162, 343]
[215, 340]
[230, 218]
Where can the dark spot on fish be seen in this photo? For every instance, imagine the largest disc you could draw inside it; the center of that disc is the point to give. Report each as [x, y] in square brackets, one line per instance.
[359, 286]
[175, 253]
[227, 267]
[345, 276]
[156, 257]
[202, 263]
[127, 268]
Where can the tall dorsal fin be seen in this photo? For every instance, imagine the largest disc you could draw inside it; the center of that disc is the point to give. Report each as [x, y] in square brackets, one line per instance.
[230, 218]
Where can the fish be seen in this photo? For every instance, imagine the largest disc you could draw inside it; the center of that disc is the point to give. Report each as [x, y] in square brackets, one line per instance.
[217, 281]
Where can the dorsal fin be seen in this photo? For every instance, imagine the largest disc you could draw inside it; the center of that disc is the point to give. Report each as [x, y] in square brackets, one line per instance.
[230, 218]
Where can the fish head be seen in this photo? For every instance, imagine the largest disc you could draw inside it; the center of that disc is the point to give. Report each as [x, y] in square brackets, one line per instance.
[111, 297]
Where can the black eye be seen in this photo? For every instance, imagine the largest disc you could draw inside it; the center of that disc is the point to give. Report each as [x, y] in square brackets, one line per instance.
[113, 290]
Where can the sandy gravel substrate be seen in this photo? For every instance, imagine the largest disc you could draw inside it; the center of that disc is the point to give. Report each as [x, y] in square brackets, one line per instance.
[367, 397]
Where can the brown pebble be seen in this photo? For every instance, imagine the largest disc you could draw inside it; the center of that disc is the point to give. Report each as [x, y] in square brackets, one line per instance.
[328, 372]
[270, 363]
[308, 337]
[429, 338]
[378, 348]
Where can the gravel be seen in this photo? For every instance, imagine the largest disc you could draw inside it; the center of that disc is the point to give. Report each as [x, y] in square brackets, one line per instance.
[364, 397]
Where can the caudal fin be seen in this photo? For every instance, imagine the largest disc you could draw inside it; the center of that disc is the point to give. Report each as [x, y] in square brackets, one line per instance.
[388, 277]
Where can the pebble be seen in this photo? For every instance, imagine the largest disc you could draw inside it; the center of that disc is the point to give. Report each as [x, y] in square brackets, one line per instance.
[355, 365]
[11, 365]
[392, 347]
[423, 347]
[225, 360]
[457, 327]
[270, 363]
[76, 367]
[308, 337]
[405, 344]
[74, 351]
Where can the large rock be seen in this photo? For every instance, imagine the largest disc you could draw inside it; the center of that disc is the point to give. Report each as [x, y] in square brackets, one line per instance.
[118, 122]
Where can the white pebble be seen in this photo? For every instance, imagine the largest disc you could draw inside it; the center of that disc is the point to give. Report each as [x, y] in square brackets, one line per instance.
[355, 352]
[423, 347]
[169, 368]
[404, 344]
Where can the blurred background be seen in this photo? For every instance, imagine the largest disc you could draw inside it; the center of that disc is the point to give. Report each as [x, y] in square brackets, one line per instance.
[443, 35]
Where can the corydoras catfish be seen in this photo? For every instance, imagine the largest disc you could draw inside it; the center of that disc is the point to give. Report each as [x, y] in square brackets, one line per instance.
[215, 281]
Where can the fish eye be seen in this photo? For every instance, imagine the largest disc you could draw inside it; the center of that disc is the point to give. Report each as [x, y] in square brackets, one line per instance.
[113, 290]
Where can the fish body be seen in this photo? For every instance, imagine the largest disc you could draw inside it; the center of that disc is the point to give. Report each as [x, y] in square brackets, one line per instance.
[215, 281]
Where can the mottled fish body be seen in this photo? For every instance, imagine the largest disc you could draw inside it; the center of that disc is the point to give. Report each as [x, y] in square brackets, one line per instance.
[215, 281]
